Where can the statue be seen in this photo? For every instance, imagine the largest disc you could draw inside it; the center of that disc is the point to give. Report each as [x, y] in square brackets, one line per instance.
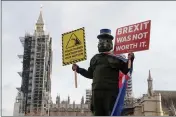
[104, 70]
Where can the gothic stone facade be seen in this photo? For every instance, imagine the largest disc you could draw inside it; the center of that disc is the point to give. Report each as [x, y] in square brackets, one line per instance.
[154, 103]
[70, 110]
[65, 108]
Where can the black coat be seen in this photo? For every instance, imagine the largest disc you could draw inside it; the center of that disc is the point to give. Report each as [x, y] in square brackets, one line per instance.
[104, 70]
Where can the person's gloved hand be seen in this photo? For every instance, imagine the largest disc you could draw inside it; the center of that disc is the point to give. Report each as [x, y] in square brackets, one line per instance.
[75, 67]
[131, 56]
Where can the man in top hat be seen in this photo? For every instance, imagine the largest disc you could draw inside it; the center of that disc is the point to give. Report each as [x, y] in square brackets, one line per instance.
[104, 70]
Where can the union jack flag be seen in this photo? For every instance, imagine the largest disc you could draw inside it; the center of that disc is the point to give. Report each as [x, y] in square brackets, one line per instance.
[118, 106]
[123, 77]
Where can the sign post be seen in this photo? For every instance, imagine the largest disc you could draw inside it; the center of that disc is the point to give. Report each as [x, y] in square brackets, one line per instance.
[76, 80]
[73, 48]
[132, 38]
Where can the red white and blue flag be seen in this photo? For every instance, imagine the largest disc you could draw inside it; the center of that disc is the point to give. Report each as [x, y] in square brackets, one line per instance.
[118, 106]
[122, 78]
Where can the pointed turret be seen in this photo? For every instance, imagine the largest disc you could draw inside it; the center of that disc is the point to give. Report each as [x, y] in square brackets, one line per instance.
[82, 100]
[39, 24]
[149, 77]
[68, 100]
[58, 99]
[40, 18]
[150, 85]
[73, 104]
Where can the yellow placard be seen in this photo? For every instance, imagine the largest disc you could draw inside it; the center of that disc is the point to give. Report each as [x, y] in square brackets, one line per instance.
[73, 47]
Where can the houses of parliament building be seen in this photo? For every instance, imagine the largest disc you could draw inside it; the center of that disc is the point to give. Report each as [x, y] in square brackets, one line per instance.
[154, 103]
[66, 108]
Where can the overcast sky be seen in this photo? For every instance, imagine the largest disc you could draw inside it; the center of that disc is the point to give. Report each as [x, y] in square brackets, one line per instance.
[60, 17]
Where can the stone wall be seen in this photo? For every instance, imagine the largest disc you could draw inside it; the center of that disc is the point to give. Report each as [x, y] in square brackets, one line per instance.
[71, 113]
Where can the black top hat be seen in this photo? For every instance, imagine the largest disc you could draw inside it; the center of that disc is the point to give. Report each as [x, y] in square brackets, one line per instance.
[105, 33]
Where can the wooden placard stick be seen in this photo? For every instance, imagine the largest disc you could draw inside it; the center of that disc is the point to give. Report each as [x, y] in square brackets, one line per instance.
[75, 79]
[129, 64]
[129, 60]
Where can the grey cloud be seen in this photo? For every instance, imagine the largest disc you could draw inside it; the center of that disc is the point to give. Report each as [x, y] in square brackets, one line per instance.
[7, 86]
